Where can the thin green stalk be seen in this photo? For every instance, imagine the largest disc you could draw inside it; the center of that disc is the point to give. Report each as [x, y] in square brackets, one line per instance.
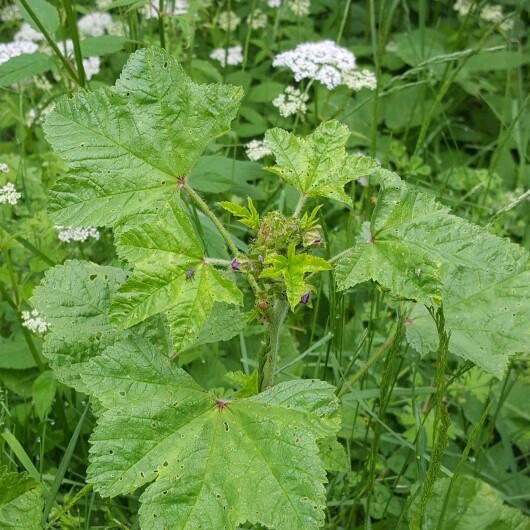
[51, 42]
[74, 35]
[377, 354]
[267, 367]
[299, 206]
[15, 306]
[72, 502]
[440, 426]
[161, 29]
[222, 230]
[343, 21]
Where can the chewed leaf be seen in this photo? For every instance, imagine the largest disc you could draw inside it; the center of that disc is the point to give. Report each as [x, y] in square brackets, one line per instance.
[169, 276]
[127, 145]
[487, 315]
[318, 165]
[411, 237]
[20, 501]
[74, 300]
[207, 463]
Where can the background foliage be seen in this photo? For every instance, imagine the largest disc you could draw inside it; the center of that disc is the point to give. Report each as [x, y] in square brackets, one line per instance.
[450, 115]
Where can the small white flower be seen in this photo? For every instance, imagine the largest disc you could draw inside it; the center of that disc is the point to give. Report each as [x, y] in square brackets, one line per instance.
[103, 4]
[69, 234]
[10, 13]
[321, 61]
[300, 8]
[359, 79]
[27, 33]
[274, 3]
[291, 102]
[92, 66]
[94, 24]
[4, 168]
[34, 322]
[16, 48]
[391, 46]
[171, 8]
[258, 19]
[9, 195]
[232, 55]
[257, 149]
[228, 21]
[462, 7]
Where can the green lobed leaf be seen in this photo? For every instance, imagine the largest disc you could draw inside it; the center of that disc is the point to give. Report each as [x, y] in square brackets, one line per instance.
[207, 463]
[45, 12]
[74, 299]
[128, 145]
[318, 165]
[170, 275]
[486, 313]
[223, 323]
[20, 501]
[23, 67]
[411, 237]
[472, 504]
[247, 216]
[293, 268]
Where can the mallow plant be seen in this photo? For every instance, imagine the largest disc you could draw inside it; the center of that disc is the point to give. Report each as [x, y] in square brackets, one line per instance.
[259, 452]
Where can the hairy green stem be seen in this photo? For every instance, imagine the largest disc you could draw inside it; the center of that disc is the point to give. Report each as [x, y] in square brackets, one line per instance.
[267, 365]
[51, 42]
[222, 230]
[161, 24]
[299, 205]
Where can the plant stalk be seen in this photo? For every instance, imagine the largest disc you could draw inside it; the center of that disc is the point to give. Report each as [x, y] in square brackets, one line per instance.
[267, 365]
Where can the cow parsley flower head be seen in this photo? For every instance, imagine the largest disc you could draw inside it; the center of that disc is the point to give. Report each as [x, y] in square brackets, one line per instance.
[257, 149]
[4, 168]
[300, 8]
[359, 79]
[94, 24]
[34, 322]
[291, 101]
[80, 235]
[258, 19]
[27, 33]
[321, 61]
[232, 55]
[10, 13]
[16, 48]
[9, 195]
[274, 3]
[462, 7]
[90, 64]
[171, 8]
[227, 21]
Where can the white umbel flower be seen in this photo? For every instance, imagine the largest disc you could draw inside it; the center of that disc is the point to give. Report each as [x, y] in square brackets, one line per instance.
[4, 168]
[321, 61]
[34, 322]
[359, 79]
[10, 13]
[228, 21]
[462, 7]
[171, 8]
[258, 19]
[95, 24]
[300, 8]
[257, 149]
[274, 3]
[231, 56]
[16, 48]
[80, 235]
[27, 33]
[291, 102]
[9, 195]
[91, 65]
